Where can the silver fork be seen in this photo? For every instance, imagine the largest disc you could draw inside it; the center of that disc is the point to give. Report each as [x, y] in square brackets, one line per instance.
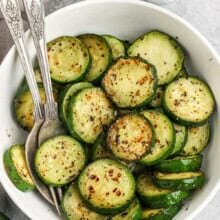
[12, 15]
[47, 119]
[52, 126]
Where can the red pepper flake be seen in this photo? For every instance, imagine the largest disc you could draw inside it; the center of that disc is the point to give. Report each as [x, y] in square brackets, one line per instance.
[92, 177]
[118, 193]
[115, 189]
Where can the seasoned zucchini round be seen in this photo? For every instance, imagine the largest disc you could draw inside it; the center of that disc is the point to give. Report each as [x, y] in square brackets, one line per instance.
[69, 59]
[198, 138]
[107, 186]
[66, 95]
[59, 160]
[130, 137]
[164, 137]
[130, 82]
[155, 197]
[180, 164]
[181, 138]
[100, 150]
[133, 212]
[182, 181]
[16, 167]
[75, 209]
[117, 46]
[101, 55]
[158, 97]
[24, 106]
[162, 51]
[160, 214]
[89, 112]
[189, 101]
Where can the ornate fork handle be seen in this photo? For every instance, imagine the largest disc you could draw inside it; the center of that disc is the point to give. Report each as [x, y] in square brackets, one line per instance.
[12, 15]
[35, 13]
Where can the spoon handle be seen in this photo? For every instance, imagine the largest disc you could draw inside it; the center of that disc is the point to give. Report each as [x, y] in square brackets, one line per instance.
[36, 17]
[12, 15]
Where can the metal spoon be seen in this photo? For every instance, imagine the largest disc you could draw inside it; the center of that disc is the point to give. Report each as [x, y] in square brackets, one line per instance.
[12, 15]
[52, 126]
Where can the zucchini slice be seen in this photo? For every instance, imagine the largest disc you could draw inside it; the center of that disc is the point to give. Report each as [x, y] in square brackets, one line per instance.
[180, 164]
[59, 160]
[24, 107]
[164, 137]
[75, 209]
[16, 167]
[182, 181]
[100, 150]
[198, 139]
[69, 60]
[160, 214]
[158, 97]
[155, 197]
[117, 46]
[101, 55]
[189, 101]
[130, 82]
[183, 73]
[3, 217]
[162, 51]
[130, 137]
[66, 95]
[181, 138]
[89, 112]
[133, 212]
[107, 186]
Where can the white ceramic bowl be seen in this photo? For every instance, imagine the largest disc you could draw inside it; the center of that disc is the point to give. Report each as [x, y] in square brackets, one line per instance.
[126, 19]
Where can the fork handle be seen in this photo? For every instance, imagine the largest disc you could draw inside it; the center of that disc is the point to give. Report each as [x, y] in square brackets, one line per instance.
[12, 15]
[36, 16]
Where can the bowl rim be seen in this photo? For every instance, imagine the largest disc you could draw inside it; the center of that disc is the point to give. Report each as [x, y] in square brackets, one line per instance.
[12, 50]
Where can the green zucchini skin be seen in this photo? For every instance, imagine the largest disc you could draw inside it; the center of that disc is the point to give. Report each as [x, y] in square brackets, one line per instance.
[89, 179]
[66, 95]
[181, 138]
[161, 214]
[167, 66]
[191, 183]
[117, 46]
[198, 139]
[16, 178]
[186, 121]
[3, 217]
[93, 75]
[133, 212]
[182, 73]
[163, 147]
[52, 165]
[100, 150]
[161, 197]
[158, 98]
[74, 208]
[111, 84]
[77, 68]
[180, 164]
